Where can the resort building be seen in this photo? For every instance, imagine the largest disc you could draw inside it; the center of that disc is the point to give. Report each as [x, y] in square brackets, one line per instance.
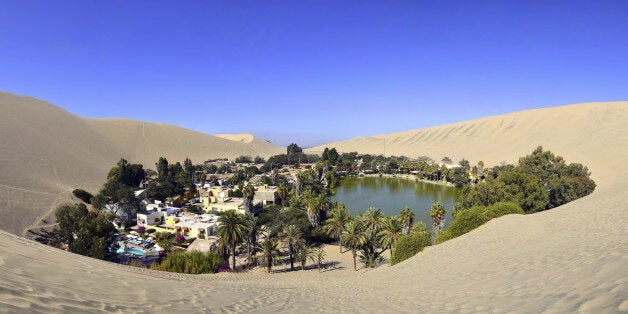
[266, 195]
[151, 218]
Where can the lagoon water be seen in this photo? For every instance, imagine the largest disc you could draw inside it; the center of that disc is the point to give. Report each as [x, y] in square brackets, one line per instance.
[392, 194]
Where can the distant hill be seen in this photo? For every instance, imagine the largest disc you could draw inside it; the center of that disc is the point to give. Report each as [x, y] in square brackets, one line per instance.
[573, 131]
[46, 152]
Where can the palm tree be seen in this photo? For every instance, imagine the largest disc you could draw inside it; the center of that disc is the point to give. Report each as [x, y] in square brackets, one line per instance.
[406, 218]
[391, 232]
[304, 252]
[317, 206]
[437, 212]
[291, 234]
[335, 224]
[248, 192]
[283, 192]
[318, 257]
[372, 219]
[232, 229]
[353, 237]
[270, 251]
[252, 229]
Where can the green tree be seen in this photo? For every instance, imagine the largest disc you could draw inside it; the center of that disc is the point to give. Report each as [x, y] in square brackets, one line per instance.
[86, 233]
[353, 238]
[253, 225]
[270, 251]
[391, 231]
[291, 234]
[319, 257]
[248, 193]
[303, 253]
[437, 212]
[408, 246]
[406, 218]
[283, 192]
[335, 224]
[372, 219]
[83, 195]
[232, 230]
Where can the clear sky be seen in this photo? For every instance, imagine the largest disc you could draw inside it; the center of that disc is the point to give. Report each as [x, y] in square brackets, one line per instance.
[312, 71]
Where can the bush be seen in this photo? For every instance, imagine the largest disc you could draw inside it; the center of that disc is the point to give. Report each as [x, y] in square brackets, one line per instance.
[408, 245]
[194, 262]
[83, 195]
[476, 216]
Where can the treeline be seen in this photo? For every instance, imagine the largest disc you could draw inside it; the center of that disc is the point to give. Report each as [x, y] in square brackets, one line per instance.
[540, 181]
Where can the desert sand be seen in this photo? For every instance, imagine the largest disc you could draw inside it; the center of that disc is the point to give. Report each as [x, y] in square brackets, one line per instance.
[571, 258]
[47, 152]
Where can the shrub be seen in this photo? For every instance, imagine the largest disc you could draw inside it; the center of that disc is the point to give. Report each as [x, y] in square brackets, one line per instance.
[83, 195]
[476, 216]
[194, 262]
[408, 245]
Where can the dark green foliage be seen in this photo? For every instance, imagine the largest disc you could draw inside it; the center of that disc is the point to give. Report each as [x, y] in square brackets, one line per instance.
[243, 160]
[83, 195]
[258, 160]
[330, 155]
[539, 182]
[171, 180]
[86, 233]
[476, 216]
[194, 262]
[409, 245]
[460, 177]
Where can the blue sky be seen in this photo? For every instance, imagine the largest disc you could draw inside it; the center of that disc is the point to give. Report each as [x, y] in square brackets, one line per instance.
[313, 71]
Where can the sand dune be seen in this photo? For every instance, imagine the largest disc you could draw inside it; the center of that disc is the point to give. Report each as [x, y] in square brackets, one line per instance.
[243, 138]
[572, 258]
[46, 152]
[579, 133]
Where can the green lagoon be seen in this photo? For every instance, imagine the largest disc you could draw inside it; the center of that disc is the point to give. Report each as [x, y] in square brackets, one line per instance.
[391, 194]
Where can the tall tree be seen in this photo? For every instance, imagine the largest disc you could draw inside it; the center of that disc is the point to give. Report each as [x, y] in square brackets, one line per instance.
[84, 232]
[406, 218]
[353, 238]
[270, 251]
[304, 252]
[391, 231]
[437, 212]
[253, 225]
[291, 234]
[248, 193]
[283, 192]
[232, 229]
[319, 257]
[335, 224]
[372, 219]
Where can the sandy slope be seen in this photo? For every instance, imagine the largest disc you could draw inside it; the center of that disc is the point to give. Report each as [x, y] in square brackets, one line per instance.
[46, 152]
[572, 258]
[244, 138]
[591, 132]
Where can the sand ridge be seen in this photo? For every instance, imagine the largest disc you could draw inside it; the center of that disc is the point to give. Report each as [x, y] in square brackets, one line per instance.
[571, 258]
[46, 152]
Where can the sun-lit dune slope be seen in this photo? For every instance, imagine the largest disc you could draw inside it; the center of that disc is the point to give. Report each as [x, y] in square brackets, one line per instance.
[244, 138]
[46, 152]
[571, 258]
[573, 131]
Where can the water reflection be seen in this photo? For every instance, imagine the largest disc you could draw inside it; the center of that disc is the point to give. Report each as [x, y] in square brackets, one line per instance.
[392, 194]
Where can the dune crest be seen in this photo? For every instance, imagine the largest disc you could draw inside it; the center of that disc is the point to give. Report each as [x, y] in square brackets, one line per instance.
[242, 138]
